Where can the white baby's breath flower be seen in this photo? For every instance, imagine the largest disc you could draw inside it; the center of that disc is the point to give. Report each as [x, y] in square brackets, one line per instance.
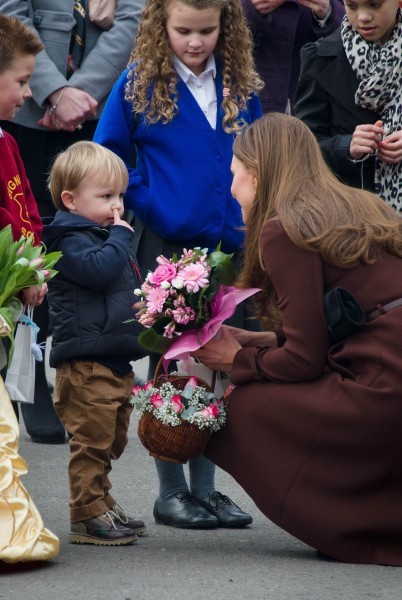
[137, 292]
[165, 285]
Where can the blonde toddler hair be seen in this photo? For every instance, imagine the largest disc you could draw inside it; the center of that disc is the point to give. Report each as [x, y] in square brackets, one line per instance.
[82, 160]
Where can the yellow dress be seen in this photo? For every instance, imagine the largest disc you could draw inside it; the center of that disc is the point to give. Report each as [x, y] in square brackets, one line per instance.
[23, 536]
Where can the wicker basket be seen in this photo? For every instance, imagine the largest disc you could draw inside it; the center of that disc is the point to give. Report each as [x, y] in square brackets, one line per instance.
[167, 442]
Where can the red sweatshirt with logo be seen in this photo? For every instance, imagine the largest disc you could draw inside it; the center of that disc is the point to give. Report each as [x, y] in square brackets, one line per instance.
[17, 204]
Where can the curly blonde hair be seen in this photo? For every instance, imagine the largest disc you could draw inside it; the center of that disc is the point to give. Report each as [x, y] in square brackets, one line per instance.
[345, 225]
[152, 79]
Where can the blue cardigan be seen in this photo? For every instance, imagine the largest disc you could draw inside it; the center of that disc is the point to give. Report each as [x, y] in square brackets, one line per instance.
[180, 187]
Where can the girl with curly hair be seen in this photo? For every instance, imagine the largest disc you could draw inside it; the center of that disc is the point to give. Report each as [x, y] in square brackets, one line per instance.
[188, 90]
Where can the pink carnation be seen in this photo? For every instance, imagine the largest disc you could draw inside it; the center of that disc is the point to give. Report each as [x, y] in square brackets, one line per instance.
[183, 315]
[146, 320]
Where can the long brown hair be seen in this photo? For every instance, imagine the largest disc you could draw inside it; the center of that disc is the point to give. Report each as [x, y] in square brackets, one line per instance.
[345, 225]
[152, 67]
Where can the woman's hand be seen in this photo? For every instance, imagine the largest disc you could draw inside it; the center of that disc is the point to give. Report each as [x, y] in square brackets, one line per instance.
[73, 109]
[218, 354]
[264, 7]
[249, 339]
[366, 140]
[390, 149]
[319, 7]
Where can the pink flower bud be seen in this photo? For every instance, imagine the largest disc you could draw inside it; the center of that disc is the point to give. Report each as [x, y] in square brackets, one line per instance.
[192, 382]
[177, 404]
[20, 250]
[37, 263]
[156, 400]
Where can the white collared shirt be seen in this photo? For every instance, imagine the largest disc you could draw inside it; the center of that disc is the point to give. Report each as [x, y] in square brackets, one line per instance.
[202, 87]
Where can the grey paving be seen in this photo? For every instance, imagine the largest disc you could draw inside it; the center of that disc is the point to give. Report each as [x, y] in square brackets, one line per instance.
[260, 563]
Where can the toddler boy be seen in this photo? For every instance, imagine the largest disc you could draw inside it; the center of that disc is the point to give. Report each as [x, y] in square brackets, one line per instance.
[90, 299]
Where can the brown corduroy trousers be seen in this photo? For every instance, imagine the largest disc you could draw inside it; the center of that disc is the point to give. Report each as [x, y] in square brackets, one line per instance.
[93, 403]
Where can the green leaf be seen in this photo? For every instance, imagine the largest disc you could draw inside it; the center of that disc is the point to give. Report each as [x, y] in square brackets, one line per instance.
[150, 340]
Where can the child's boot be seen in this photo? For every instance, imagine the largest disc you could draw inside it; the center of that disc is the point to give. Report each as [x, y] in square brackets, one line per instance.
[104, 530]
[135, 525]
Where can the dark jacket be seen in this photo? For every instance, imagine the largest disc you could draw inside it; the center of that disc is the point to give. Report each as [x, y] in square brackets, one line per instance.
[93, 293]
[325, 101]
[278, 38]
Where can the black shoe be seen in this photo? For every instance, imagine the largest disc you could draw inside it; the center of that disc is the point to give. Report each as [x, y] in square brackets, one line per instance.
[104, 530]
[226, 511]
[183, 510]
[42, 435]
[326, 557]
[134, 524]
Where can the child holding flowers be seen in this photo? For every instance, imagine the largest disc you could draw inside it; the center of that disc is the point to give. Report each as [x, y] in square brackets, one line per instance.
[92, 346]
[23, 536]
[188, 91]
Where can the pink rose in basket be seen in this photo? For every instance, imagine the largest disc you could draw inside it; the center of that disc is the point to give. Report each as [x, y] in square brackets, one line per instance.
[192, 382]
[210, 411]
[177, 404]
[156, 400]
[165, 272]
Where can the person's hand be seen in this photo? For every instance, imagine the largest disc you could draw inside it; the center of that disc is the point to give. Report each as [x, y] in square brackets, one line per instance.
[390, 149]
[218, 354]
[118, 221]
[249, 339]
[320, 8]
[264, 7]
[366, 140]
[34, 295]
[73, 109]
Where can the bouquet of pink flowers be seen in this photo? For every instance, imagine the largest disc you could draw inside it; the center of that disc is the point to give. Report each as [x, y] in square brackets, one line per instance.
[185, 300]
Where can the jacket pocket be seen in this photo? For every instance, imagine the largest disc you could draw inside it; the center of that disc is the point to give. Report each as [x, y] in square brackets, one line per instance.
[53, 20]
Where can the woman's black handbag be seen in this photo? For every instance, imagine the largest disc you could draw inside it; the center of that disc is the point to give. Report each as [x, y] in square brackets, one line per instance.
[343, 313]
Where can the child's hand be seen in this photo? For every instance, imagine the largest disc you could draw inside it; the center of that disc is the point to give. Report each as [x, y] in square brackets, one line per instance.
[34, 295]
[118, 221]
[365, 140]
[390, 149]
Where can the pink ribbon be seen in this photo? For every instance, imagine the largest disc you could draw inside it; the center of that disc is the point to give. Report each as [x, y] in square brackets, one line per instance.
[223, 305]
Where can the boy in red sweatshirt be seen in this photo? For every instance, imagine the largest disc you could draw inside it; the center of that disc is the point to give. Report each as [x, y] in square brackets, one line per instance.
[18, 48]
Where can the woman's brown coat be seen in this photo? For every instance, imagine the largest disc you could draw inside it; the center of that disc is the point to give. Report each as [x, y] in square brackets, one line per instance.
[317, 441]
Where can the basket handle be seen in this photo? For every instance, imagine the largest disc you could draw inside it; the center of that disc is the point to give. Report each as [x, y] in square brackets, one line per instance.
[159, 367]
